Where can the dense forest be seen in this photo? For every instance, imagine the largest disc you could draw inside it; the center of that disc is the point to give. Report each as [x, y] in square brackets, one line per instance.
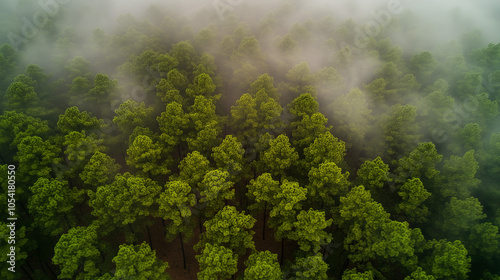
[248, 140]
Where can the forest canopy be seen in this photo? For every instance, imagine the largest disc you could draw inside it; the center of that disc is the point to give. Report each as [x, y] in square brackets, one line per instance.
[249, 140]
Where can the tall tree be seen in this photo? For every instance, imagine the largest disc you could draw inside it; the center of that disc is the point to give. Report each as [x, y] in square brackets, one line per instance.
[215, 190]
[77, 254]
[309, 267]
[400, 130]
[310, 231]
[325, 147]
[229, 157]
[446, 259]
[100, 170]
[147, 157]
[231, 229]
[326, 184]
[217, 262]
[413, 194]
[36, 158]
[262, 265]
[279, 157]
[74, 120]
[140, 262]
[132, 114]
[175, 204]
[459, 176]
[51, 204]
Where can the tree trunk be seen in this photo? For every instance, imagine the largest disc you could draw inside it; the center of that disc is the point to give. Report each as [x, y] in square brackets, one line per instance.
[182, 249]
[199, 222]
[264, 225]
[282, 250]
[149, 236]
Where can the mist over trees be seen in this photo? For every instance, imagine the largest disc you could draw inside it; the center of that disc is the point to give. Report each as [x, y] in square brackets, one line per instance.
[251, 140]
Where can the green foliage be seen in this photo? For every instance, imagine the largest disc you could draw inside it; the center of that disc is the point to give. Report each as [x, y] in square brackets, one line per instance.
[483, 240]
[373, 174]
[459, 176]
[279, 157]
[217, 262]
[262, 190]
[229, 228]
[103, 87]
[229, 156]
[304, 105]
[139, 262]
[132, 114]
[125, 200]
[77, 255]
[215, 190]
[419, 274]
[459, 215]
[193, 168]
[14, 127]
[327, 182]
[446, 260]
[173, 124]
[266, 83]
[400, 130]
[420, 163]
[325, 147]
[51, 204]
[311, 267]
[286, 204]
[263, 265]
[175, 204]
[36, 158]
[79, 148]
[100, 170]
[146, 157]
[310, 231]
[413, 194]
[308, 129]
[74, 120]
[353, 274]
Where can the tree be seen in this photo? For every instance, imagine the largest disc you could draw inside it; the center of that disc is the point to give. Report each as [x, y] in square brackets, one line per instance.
[125, 200]
[286, 204]
[423, 65]
[146, 157]
[132, 114]
[51, 204]
[169, 89]
[310, 231]
[74, 120]
[14, 127]
[103, 87]
[305, 131]
[21, 95]
[202, 85]
[217, 262]
[79, 148]
[459, 176]
[229, 156]
[304, 105]
[326, 182]
[36, 158]
[413, 194]
[244, 116]
[400, 130]
[279, 157]
[461, 215]
[173, 124]
[139, 262]
[175, 204]
[373, 174]
[446, 259]
[325, 147]
[420, 163]
[100, 170]
[353, 274]
[263, 265]
[419, 274]
[266, 83]
[262, 190]
[229, 228]
[215, 191]
[352, 116]
[193, 168]
[483, 240]
[310, 267]
[77, 254]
